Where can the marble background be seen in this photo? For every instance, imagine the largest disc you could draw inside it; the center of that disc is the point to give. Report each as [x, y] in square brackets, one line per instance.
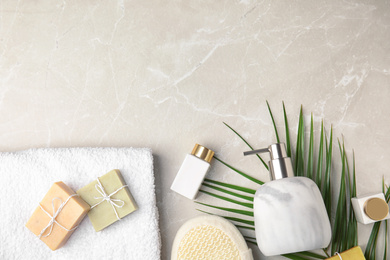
[167, 74]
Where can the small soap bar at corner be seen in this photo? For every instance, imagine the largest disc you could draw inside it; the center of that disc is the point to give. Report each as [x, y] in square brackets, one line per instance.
[69, 217]
[103, 215]
[355, 253]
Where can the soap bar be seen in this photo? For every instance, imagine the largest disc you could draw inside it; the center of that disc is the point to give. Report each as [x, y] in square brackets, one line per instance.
[69, 216]
[109, 198]
[370, 208]
[355, 253]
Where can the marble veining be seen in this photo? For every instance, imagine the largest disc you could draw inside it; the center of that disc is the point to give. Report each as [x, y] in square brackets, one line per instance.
[165, 75]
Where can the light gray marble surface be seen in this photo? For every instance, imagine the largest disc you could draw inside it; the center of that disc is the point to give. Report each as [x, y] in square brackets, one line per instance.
[166, 74]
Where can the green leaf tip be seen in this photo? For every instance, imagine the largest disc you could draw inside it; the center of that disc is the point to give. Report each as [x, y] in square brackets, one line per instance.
[242, 138]
[231, 186]
[240, 172]
[273, 122]
[237, 211]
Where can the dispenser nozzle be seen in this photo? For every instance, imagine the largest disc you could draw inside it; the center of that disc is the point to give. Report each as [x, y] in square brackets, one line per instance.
[264, 150]
[280, 165]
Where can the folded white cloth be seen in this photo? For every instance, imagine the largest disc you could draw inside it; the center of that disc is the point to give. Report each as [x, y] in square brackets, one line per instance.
[25, 177]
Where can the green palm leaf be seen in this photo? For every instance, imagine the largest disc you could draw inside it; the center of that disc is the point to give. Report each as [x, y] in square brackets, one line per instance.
[339, 229]
[248, 205]
[387, 197]
[231, 186]
[344, 224]
[244, 221]
[386, 244]
[300, 147]
[310, 165]
[287, 130]
[237, 211]
[240, 172]
[352, 240]
[311, 254]
[251, 242]
[320, 159]
[248, 237]
[273, 123]
[248, 198]
[326, 192]
[370, 252]
[258, 156]
[245, 227]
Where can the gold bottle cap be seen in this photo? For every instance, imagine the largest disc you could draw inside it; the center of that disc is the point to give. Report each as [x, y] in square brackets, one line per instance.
[376, 208]
[202, 153]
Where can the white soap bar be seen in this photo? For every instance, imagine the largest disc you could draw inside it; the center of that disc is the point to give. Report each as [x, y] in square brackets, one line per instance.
[359, 204]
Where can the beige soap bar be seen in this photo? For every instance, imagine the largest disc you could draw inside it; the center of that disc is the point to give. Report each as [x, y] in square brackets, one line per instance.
[355, 253]
[103, 214]
[69, 217]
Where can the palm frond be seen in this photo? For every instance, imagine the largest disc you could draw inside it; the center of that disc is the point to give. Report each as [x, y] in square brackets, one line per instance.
[310, 164]
[387, 197]
[248, 237]
[244, 221]
[273, 123]
[326, 191]
[340, 223]
[231, 186]
[244, 204]
[386, 244]
[300, 147]
[345, 233]
[352, 239]
[319, 172]
[242, 138]
[248, 198]
[245, 227]
[240, 172]
[251, 242]
[237, 211]
[370, 252]
[287, 130]
[311, 254]
[240, 220]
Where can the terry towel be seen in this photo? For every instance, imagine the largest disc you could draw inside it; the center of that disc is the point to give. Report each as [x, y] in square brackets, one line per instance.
[26, 176]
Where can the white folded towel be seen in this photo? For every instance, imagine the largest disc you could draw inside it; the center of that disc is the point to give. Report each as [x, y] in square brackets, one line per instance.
[25, 177]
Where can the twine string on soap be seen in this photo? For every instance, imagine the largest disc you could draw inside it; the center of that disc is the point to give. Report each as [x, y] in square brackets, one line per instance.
[113, 202]
[55, 214]
[338, 255]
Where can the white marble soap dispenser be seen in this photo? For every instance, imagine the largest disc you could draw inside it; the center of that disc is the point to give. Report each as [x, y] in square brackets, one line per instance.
[290, 214]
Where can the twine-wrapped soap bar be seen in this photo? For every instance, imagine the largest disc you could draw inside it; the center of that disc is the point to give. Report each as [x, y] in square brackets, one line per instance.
[355, 253]
[110, 199]
[58, 215]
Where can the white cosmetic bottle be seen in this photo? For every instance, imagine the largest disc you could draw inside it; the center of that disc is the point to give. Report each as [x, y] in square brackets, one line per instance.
[370, 208]
[192, 172]
[290, 214]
